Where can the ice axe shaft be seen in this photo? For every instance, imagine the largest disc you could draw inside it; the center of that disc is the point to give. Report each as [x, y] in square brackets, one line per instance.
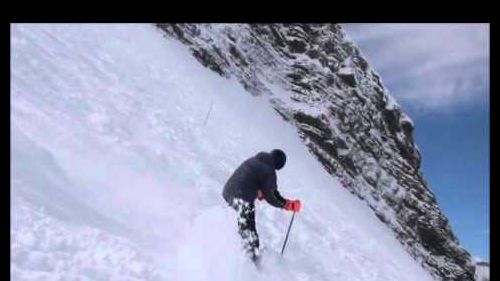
[287, 233]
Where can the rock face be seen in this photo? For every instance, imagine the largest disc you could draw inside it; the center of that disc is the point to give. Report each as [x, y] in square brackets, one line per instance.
[317, 79]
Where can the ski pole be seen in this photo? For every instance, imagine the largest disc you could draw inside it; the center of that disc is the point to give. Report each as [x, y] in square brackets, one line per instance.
[208, 114]
[288, 232]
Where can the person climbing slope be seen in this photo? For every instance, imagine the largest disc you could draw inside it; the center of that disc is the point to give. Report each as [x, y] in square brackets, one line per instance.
[254, 179]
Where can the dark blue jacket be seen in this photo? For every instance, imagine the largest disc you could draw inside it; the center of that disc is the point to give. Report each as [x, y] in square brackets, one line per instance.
[253, 174]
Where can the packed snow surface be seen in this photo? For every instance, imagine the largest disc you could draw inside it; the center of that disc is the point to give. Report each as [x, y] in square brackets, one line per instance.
[118, 163]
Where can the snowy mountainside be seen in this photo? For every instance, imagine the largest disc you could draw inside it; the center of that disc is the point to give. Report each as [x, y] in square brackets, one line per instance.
[318, 80]
[116, 176]
[482, 271]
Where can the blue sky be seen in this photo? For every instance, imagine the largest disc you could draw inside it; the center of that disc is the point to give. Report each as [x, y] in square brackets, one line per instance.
[439, 74]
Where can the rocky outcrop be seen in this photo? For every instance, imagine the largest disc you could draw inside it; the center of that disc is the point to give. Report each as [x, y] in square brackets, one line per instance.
[317, 79]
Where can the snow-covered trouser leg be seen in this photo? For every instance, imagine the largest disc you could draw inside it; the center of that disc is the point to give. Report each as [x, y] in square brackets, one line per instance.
[246, 228]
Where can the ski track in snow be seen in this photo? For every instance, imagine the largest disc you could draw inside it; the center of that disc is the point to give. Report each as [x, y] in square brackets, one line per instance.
[115, 176]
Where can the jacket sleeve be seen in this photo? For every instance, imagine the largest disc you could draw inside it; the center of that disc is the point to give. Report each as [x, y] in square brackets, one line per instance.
[270, 190]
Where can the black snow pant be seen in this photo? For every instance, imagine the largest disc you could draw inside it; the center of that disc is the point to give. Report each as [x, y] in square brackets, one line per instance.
[246, 228]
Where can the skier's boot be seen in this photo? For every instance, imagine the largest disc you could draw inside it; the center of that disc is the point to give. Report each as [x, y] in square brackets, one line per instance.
[257, 261]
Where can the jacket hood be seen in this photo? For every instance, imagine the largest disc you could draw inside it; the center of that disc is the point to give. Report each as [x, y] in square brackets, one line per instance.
[266, 158]
[275, 158]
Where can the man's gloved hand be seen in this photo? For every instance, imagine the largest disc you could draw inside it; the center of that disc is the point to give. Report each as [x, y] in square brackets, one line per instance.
[260, 195]
[293, 205]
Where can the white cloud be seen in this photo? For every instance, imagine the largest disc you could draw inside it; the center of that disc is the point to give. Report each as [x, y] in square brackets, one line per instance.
[477, 259]
[431, 67]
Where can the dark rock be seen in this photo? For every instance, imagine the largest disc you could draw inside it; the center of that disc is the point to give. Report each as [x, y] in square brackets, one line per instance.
[329, 47]
[297, 46]
[237, 55]
[349, 79]
[431, 238]
[391, 118]
[278, 39]
[207, 60]
[314, 54]
[295, 76]
[381, 217]
[407, 128]
[362, 63]
[231, 38]
[340, 143]
[330, 80]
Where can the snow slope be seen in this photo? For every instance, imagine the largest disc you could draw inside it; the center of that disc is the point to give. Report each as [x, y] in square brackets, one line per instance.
[115, 175]
[482, 271]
